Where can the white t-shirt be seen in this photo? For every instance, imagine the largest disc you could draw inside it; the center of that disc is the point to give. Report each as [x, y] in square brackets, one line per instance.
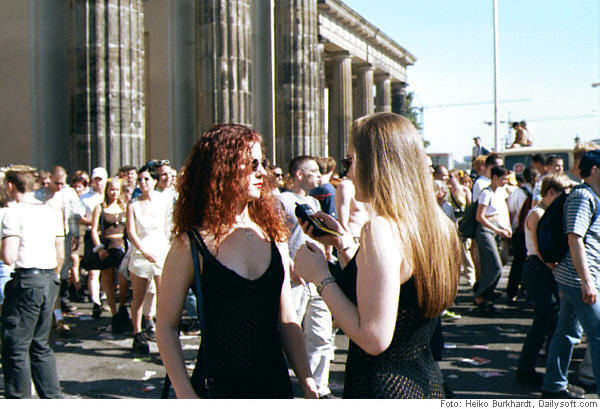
[516, 200]
[496, 206]
[90, 200]
[37, 225]
[481, 183]
[297, 237]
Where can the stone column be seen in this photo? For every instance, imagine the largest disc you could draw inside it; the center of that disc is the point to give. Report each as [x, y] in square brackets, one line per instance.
[340, 106]
[297, 80]
[364, 90]
[224, 62]
[399, 98]
[107, 87]
[384, 94]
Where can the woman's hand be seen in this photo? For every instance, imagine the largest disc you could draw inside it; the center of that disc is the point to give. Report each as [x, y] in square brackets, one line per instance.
[149, 257]
[310, 263]
[102, 254]
[329, 222]
[309, 387]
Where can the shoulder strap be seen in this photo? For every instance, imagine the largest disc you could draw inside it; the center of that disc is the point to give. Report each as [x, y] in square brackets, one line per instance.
[197, 244]
[454, 200]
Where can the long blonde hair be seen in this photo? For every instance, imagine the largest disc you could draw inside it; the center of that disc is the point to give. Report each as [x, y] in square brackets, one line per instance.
[392, 173]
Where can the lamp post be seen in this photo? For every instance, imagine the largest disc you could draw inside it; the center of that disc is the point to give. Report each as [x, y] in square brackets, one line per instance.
[596, 85]
[496, 80]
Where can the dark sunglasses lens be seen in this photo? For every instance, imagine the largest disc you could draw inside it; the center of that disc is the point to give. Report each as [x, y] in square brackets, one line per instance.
[256, 162]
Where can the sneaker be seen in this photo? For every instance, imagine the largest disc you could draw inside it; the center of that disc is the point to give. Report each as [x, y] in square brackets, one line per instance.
[67, 307]
[96, 311]
[447, 315]
[121, 321]
[191, 328]
[140, 344]
[571, 392]
[150, 333]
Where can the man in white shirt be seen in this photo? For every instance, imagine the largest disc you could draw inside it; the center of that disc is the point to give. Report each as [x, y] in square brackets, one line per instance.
[494, 222]
[65, 200]
[32, 240]
[90, 200]
[312, 311]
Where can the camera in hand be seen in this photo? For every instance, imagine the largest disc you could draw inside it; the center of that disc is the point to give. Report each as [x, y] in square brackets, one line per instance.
[306, 214]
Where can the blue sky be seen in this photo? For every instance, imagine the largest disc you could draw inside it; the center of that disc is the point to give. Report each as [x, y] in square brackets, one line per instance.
[548, 59]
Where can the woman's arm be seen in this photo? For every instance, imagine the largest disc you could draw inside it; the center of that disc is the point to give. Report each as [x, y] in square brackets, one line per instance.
[485, 222]
[343, 197]
[177, 277]
[291, 332]
[102, 252]
[468, 195]
[370, 324]
[132, 233]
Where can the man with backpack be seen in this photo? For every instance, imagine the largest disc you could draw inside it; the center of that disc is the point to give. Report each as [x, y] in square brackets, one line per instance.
[578, 278]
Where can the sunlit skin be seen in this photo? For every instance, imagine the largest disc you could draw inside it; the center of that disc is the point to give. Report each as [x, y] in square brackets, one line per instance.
[79, 188]
[255, 179]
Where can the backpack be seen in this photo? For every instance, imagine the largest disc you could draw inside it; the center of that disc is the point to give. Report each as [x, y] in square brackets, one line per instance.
[553, 242]
[468, 224]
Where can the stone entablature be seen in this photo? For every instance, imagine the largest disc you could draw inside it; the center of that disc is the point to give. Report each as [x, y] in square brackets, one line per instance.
[341, 26]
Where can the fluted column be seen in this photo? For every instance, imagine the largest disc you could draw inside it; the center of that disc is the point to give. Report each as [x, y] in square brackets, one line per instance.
[340, 106]
[107, 99]
[297, 80]
[224, 62]
[384, 93]
[399, 98]
[363, 105]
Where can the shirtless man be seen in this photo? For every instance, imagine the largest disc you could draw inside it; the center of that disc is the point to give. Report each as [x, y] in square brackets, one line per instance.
[521, 136]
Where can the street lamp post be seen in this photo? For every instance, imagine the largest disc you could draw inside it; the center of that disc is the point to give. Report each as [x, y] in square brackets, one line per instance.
[596, 85]
[496, 97]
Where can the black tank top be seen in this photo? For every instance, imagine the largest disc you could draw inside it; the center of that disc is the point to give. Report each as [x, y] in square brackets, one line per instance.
[244, 351]
[406, 368]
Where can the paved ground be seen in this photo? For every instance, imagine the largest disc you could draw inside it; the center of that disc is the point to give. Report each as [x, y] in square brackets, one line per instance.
[92, 363]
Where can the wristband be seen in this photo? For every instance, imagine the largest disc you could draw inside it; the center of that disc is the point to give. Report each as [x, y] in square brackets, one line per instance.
[324, 283]
[97, 248]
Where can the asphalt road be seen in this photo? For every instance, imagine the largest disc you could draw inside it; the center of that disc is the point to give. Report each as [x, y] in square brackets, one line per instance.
[479, 361]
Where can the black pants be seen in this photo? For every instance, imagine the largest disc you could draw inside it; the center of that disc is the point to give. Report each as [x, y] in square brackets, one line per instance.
[26, 323]
[516, 269]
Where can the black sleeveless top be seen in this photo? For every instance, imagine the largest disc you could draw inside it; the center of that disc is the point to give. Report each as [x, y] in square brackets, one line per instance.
[243, 341]
[406, 368]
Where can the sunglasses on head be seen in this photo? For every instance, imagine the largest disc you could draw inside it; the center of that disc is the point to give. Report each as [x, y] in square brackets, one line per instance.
[256, 162]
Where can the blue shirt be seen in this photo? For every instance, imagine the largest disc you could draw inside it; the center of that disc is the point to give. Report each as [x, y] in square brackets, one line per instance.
[580, 206]
[325, 194]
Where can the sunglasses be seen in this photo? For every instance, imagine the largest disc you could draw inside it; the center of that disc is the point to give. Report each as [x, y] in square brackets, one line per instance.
[146, 179]
[255, 162]
[278, 175]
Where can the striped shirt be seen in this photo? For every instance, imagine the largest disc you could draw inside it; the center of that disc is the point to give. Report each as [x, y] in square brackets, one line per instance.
[580, 206]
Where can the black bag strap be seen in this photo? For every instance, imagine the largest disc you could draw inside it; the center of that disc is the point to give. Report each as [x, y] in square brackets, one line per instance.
[196, 245]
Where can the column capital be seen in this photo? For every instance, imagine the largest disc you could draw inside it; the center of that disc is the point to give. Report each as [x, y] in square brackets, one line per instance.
[360, 68]
[382, 76]
[341, 56]
[399, 85]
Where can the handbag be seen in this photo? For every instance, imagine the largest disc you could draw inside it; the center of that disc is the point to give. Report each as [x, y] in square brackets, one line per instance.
[197, 289]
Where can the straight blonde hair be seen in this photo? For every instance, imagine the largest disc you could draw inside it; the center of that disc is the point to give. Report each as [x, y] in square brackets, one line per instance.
[392, 172]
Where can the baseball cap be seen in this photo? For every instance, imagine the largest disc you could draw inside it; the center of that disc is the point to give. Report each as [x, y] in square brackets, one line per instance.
[99, 173]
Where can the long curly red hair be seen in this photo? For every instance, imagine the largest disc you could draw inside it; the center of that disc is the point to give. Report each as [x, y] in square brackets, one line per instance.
[213, 185]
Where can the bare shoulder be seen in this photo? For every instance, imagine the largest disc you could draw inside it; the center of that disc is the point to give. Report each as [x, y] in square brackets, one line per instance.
[379, 228]
[345, 187]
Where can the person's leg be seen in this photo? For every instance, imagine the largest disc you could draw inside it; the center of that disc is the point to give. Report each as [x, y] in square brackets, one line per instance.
[94, 286]
[519, 255]
[123, 289]
[589, 316]
[317, 330]
[43, 364]
[139, 286]
[540, 285]
[568, 333]
[107, 281]
[468, 267]
[491, 265]
[20, 313]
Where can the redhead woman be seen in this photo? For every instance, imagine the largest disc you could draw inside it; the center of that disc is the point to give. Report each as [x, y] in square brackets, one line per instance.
[250, 319]
[401, 275]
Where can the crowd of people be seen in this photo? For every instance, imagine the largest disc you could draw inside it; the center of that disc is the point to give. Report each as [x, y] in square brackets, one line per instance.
[375, 252]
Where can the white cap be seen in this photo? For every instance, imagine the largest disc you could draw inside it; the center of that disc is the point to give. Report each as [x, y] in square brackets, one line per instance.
[100, 173]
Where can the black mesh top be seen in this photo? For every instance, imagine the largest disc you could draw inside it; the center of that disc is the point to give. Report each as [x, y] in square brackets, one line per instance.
[406, 369]
[244, 351]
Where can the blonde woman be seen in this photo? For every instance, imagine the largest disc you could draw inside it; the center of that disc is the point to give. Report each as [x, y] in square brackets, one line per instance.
[108, 236]
[405, 273]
